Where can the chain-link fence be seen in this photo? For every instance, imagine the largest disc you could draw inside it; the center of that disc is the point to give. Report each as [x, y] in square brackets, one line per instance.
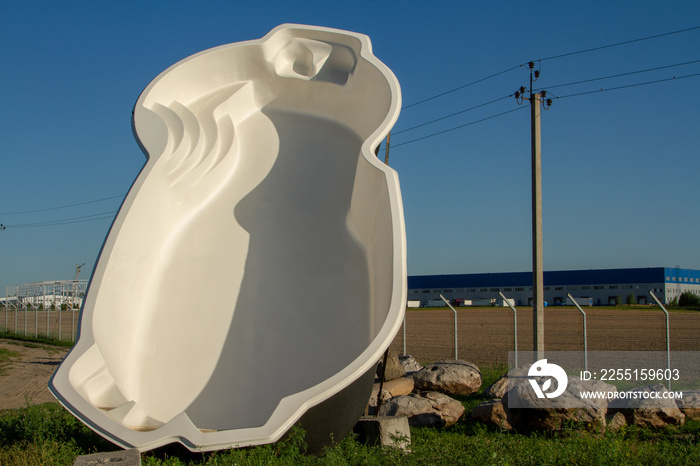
[486, 335]
[54, 325]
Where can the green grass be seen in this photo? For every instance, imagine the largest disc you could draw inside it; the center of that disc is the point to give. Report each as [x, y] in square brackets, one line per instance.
[48, 434]
[31, 341]
[6, 355]
[45, 434]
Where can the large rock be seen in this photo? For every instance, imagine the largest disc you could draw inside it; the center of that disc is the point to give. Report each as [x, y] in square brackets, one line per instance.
[387, 431]
[396, 387]
[451, 377]
[527, 412]
[615, 422]
[130, 457]
[690, 404]
[409, 363]
[390, 389]
[647, 407]
[498, 389]
[493, 413]
[429, 409]
[394, 369]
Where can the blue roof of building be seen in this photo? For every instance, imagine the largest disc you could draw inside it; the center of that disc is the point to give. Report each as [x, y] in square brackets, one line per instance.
[551, 278]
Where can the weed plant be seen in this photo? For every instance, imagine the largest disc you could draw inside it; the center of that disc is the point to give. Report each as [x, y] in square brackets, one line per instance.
[45, 434]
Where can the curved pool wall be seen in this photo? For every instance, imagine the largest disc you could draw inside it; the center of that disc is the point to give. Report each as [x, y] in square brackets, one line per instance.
[257, 266]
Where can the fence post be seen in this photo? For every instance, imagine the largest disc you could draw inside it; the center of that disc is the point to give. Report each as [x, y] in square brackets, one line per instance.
[515, 326]
[585, 340]
[404, 335]
[453, 310]
[668, 340]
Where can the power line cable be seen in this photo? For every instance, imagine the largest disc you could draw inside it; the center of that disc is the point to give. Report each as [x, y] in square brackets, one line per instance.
[593, 49]
[621, 74]
[61, 207]
[548, 88]
[524, 107]
[106, 217]
[459, 88]
[656, 36]
[394, 133]
[628, 86]
[457, 127]
[66, 221]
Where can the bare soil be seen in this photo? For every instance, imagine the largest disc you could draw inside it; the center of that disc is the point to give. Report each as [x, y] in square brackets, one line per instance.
[26, 376]
[485, 335]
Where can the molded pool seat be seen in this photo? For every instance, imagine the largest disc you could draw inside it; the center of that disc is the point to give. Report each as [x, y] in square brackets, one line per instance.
[257, 266]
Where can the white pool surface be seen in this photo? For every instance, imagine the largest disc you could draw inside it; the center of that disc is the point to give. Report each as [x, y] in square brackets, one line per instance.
[257, 267]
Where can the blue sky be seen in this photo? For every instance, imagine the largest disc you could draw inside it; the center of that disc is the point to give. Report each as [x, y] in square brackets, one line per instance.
[620, 168]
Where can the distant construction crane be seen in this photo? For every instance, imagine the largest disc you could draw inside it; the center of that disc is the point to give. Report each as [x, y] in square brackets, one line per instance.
[77, 270]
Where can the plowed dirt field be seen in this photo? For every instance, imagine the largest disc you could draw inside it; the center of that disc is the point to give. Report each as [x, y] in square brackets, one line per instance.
[26, 375]
[485, 335]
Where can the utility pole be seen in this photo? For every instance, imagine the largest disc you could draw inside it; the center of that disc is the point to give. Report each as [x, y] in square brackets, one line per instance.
[537, 266]
[386, 152]
[536, 100]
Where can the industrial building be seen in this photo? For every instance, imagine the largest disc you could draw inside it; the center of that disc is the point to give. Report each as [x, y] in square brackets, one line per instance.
[50, 295]
[597, 287]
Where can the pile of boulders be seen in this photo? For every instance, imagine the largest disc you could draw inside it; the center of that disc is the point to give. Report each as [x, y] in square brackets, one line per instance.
[424, 396]
[529, 413]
